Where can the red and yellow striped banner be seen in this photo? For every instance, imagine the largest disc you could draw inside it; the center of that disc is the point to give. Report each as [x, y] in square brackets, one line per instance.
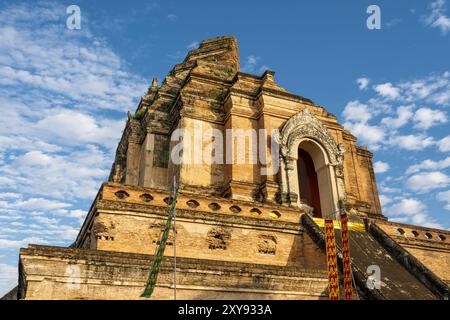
[346, 257]
[333, 273]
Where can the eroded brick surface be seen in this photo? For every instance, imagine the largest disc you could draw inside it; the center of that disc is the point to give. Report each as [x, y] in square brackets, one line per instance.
[239, 233]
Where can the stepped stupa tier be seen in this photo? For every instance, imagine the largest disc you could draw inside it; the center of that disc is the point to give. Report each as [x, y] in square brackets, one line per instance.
[258, 170]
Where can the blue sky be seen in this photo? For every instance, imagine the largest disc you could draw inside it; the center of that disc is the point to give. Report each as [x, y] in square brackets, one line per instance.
[64, 94]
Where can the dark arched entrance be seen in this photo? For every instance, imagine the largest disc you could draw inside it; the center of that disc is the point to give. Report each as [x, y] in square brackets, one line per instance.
[308, 184]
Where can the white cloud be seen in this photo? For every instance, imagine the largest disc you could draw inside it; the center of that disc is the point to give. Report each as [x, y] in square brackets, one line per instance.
[411, 142]
[432, 89]
[380, 166]
[8, 278]
[172, 17]
[437, 18]
[357, 115]
[356, 112]
[390, 122]
[250, 64]
[444, 196]
[386, 189]
[193, 45]
[379, 106]
[441, 98]
[38, 230]
[362, 82]
[412, 211]
[46, 221]
[16, 244]
[387, 90]
[444, 144]
[76, 175]
[9, 195]
[404, 113]
[37, 54]
[25, 143]
[393, 22]
[6, 182]
[264, 68]
[80, 214]
[72, 127]
[429, 165]
[385, 200]
[408, 206]
[424, 182]
[426, 118]
[372, 135]
[91, 76]
[31, 158]
[39, 204]
[56, 139]
[425, 220]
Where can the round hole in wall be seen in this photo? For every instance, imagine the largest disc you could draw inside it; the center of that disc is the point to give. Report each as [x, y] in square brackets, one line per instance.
[192, 203]
[441, 237]
[214, 206]
[428, 235]
[415, 233]
[146, 197]
[274, 214]
[400, 232]
[235, 209]
[168, 200]
[121, 194]
[255, 212]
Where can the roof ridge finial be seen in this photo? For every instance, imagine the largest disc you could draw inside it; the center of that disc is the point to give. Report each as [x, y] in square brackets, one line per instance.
[155, 83]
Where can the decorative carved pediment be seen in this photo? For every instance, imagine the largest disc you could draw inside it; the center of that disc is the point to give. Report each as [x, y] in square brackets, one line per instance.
[305, 125]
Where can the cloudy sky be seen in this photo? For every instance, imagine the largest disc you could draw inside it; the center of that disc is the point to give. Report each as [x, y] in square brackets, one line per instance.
[64, 95]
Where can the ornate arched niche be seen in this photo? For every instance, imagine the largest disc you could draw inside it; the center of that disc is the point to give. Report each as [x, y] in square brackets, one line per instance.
[305, 131]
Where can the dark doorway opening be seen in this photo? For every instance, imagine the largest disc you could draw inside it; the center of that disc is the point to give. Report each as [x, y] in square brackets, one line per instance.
[308, 184]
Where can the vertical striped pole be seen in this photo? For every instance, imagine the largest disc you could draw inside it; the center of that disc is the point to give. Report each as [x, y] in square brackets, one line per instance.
[175, 187]
[346, 257]
[333, 274]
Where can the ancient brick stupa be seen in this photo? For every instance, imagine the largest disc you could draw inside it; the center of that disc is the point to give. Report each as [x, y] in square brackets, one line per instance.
[245, 229]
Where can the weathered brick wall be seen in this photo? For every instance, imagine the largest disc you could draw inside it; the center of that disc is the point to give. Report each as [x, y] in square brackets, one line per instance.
[437, 260]
[195, 170]
[61, 273]
[199, 237]
[226, 212]
[208, 90]
[126, 220]
[430, 246]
